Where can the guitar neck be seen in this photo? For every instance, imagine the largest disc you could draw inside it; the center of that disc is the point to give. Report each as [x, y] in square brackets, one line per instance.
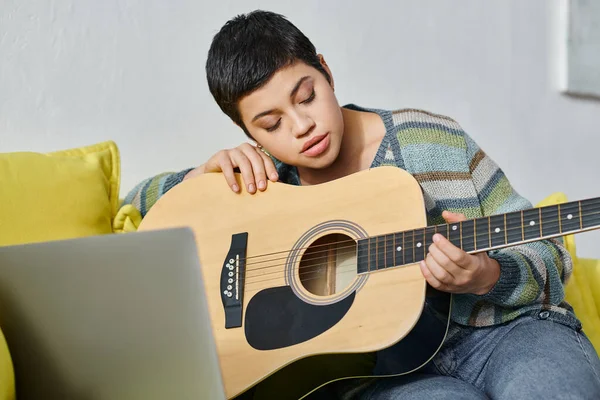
[480, 234]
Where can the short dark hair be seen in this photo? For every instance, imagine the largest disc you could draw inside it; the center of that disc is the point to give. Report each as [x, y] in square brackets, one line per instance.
[247, 51]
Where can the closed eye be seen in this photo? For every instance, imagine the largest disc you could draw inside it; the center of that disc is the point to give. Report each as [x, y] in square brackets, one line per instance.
[274, 127]
[310, 98]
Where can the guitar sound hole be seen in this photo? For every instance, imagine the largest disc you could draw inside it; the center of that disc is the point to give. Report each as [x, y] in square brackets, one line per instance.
[329, 265]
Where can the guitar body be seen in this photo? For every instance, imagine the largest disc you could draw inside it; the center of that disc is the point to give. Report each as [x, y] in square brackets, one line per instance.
[281, 279]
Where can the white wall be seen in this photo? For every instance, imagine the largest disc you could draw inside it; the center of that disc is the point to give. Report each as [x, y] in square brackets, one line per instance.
[78, 72]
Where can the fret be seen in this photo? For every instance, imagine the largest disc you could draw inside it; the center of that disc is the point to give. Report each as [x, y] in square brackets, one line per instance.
[514, 227]
[489, 230]
[468, 235]
[429, 232]
[399, 243]
[475, 234]
[389, 251]
[419, 235]
[570, 219]
[559, 221]
[408, 249]
[362, 256]
[454, 234]
[442, 229]
[380, 252]
[590, 212]
[483, 233]
[531, 224]
[522, 226]
[497, 230]
[549, 221]
[372, 253]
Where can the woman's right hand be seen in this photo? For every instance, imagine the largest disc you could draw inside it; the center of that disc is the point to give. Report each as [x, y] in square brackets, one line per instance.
[254, 165]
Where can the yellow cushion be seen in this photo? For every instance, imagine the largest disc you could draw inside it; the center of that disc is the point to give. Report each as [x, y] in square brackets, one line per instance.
[7, 378]
[128, 219]
[581, 290]
[60, 195]
[64, 194]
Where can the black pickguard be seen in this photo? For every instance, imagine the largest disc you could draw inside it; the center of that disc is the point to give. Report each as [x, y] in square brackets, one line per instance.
[277, 318]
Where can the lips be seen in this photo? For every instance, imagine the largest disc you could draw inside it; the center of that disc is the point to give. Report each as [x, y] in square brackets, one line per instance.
[312, 142]
[316, 146]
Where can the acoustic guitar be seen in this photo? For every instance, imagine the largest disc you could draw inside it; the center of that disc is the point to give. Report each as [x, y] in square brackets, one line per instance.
[311, 283]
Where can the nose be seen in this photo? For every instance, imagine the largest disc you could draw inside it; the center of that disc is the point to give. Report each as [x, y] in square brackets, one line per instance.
[303, 124]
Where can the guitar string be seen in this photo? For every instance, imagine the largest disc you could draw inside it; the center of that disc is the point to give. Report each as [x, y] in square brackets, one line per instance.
[346, 269]
[261, 287]
[524, 226]
[551, 224]
[349, 249]
[351, 268]
[312, 275]
[592, 202]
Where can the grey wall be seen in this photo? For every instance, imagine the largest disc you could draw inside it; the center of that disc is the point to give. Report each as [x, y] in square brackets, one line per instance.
[79, 72]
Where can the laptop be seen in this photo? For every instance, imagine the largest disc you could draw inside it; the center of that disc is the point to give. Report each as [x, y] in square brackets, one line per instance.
[109, 317]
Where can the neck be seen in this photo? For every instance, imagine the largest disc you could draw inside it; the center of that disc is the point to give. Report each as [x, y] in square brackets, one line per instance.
[480, 234]
[363, 132]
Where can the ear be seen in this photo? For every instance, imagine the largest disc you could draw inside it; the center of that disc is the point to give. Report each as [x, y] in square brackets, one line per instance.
[326, 68]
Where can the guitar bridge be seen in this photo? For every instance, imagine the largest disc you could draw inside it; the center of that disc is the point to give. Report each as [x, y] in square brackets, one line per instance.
[232, 280]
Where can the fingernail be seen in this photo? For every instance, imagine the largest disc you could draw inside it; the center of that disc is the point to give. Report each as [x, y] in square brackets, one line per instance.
[274, 176]
[437, 237]
[261, 184]
[235, 187]
[251, 187]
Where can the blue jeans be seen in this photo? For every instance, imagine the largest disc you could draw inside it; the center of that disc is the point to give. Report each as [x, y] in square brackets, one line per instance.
[528, 358]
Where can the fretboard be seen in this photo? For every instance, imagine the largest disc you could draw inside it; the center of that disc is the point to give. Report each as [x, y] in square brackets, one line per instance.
[480, 234]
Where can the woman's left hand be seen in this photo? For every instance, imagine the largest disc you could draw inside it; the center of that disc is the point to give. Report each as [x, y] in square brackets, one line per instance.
[450, 269]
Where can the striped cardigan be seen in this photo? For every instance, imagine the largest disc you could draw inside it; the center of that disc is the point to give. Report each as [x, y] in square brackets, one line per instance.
[455, 175]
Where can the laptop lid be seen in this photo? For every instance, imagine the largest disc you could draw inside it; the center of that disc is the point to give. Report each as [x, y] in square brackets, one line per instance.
[109, 317]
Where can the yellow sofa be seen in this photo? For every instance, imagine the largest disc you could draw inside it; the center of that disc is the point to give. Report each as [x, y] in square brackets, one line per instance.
[75, 193]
